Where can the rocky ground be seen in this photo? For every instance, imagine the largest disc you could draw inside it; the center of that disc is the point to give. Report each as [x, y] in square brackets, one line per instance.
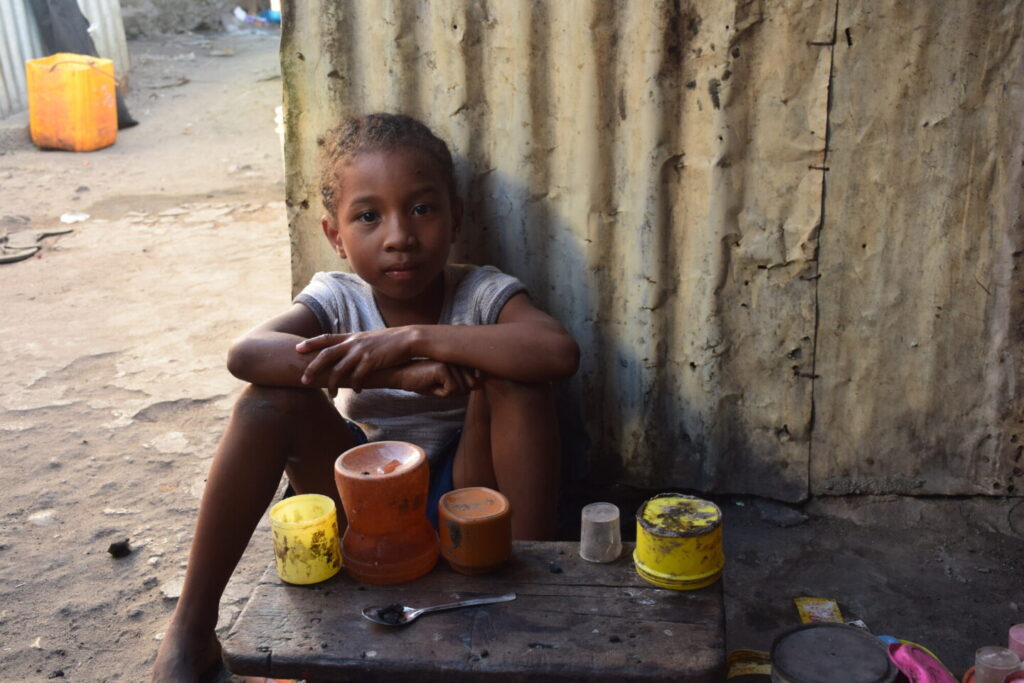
[113, 393]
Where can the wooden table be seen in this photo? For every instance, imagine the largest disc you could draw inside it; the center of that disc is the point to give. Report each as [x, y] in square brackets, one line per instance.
[572, 621]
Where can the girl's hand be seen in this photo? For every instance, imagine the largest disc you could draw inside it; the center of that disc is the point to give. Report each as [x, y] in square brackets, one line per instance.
[434, 378]
[348, 359]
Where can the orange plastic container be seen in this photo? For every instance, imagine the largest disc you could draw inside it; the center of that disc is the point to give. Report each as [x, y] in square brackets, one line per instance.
[72, 102]
[476, 529]
[383, 487]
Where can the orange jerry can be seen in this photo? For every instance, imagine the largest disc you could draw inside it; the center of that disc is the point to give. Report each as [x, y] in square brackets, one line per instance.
[72, 102]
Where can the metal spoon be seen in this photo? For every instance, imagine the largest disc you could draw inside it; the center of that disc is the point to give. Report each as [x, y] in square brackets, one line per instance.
[400, 615]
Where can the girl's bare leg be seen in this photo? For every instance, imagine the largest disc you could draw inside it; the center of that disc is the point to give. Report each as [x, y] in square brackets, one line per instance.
[271, 431]
[511, 442]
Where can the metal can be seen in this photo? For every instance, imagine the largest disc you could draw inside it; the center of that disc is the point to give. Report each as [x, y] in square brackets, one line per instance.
[828, 652]
[679, 542]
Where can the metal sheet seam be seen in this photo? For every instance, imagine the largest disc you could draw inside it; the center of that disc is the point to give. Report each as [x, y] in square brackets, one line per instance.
[821, 226]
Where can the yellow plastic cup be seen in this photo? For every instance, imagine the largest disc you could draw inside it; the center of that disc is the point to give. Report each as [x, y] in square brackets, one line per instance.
[679, 542]
[305, 532]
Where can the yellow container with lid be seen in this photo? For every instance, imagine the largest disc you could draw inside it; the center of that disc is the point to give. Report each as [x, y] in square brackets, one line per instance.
[72, 102]
[679, 542]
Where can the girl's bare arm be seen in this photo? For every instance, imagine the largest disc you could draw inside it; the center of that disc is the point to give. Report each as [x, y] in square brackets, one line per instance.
[526, 345]
[267, 356]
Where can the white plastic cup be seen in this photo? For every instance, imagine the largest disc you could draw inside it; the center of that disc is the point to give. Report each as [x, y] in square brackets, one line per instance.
[992, 664]
[600, 538]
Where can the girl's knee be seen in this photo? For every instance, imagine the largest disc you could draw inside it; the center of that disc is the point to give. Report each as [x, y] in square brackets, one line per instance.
[507, 389]
[275, 403]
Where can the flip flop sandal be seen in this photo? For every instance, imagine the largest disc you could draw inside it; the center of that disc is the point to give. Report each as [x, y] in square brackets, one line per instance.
[30, 238]
[9, 255]
[918, 664]
[18, 246]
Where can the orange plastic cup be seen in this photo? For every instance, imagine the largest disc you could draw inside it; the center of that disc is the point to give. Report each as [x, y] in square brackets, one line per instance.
[476, 529]
[383, 487]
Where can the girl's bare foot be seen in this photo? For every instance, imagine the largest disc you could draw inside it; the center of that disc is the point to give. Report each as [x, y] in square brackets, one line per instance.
[186, 656]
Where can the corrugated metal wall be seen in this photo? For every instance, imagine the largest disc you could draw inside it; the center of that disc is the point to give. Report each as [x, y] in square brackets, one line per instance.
[657, 173]
[19, 41]
[920, 341]
[108, 33]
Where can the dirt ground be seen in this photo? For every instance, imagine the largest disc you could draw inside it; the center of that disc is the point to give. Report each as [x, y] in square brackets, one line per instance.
[113, 393]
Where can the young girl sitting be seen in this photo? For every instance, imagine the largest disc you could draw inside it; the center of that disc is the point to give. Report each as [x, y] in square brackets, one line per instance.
[454, 358]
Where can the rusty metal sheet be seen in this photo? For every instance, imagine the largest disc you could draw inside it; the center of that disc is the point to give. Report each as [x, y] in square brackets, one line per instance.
[921, 322]
[646, 169]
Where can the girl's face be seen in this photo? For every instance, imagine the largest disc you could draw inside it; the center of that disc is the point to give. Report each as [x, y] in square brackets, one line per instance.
[395, 222]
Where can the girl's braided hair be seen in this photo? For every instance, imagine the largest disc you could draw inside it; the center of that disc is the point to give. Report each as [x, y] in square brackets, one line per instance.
[376, 133]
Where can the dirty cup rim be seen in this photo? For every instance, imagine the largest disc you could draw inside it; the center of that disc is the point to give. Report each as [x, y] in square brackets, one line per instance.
[655, 530]
[418, 455]
[299, 499]
[502, 504]
[602, 505]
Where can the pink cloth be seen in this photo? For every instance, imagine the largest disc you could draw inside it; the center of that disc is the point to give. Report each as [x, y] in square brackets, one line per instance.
[1017, 639]
[917, 665]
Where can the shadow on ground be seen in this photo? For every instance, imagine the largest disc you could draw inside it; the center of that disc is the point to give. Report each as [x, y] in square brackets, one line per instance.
[942, 572]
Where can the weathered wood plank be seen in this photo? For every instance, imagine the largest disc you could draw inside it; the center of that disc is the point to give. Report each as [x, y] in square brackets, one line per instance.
[586, 622]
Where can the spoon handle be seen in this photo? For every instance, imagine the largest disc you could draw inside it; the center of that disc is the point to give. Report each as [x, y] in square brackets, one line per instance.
[484, 600]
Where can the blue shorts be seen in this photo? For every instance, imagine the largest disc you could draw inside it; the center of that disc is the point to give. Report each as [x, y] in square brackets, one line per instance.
[440, 468]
